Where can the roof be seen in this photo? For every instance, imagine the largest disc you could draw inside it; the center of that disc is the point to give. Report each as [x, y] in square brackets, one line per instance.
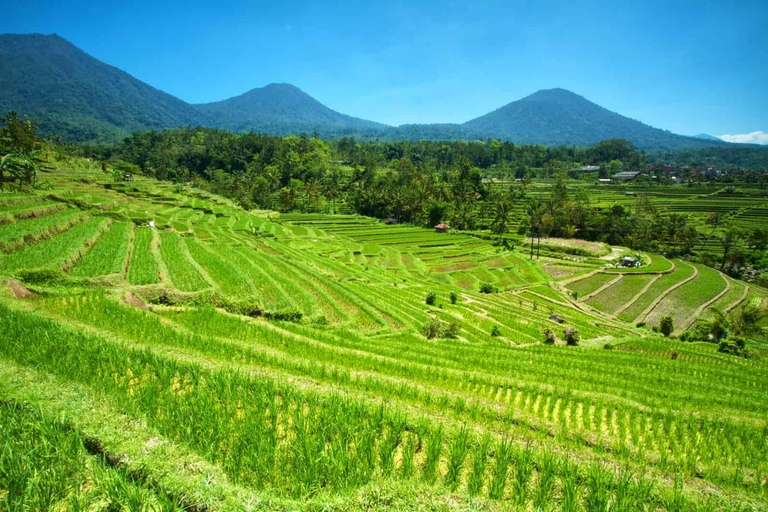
[442, 226]
[624, 175]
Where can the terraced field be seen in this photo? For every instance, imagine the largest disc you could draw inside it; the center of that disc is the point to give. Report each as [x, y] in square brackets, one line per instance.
[230, 360]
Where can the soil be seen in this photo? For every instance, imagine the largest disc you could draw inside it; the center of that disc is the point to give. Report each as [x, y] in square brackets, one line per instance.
[134, 301]
[18, 290]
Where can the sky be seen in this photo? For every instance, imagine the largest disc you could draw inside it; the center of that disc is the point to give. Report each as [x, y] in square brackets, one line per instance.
[685, 66]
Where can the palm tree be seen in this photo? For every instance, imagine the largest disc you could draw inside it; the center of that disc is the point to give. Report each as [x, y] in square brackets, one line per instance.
[744, 321]
[502, 211]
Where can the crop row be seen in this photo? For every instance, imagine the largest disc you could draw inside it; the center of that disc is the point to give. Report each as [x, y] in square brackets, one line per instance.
[268, 434]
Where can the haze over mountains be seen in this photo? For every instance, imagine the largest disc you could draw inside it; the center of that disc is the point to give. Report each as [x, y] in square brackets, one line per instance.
[83, 99]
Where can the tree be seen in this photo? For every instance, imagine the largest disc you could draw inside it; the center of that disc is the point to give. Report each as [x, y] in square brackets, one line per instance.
[501, 215]
[535, 211]
[730, 237]
[666, 326]
[18, 135]
[743, 321]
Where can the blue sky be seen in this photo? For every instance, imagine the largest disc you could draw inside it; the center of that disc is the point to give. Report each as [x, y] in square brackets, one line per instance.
[688, 67]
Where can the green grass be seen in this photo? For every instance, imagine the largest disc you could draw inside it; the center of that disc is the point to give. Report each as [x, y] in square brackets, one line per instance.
[612, 298]
[109, 255]
[45, 465]
[682, 272]
[142, 268]
[57, 251]
[351, 407]
[184, 275]
[589, 284]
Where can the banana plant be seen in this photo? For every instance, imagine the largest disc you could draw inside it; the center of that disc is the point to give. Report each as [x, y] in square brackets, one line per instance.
[22, 166]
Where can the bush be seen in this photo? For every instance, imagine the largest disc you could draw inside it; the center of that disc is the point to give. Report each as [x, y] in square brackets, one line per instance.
[454, 298]
[735, 347]
[495, 332]
[640, 324]
[488, 288]
[549, 337]
[571, 336]
[674, 354]
[432, 329]
[41, 275]
[431, 298]
[608, 346]
[666, 326]
[437, 329]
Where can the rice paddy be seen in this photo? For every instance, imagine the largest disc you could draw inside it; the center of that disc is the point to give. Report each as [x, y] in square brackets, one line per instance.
[220, 359]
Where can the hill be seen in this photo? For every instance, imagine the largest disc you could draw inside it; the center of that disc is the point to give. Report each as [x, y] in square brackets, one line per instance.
[706, 136]
[77, 96]
[83, 99]
[232, 359]
[557, 116]
[283, 109]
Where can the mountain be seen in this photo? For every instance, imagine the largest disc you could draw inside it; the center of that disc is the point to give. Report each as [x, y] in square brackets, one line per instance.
[77, 96]
[83, 99]
[557, 116]
[281, 109]
[706, 136]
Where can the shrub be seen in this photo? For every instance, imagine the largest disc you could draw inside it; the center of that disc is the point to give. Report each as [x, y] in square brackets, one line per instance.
[735, 347]
[488, 288]
[437, 329]
[666, 326]
[451, 331]
[640, 324]
[571, 336]
[495, 331]
[674, 354]
[454, 297]
[431, 298]
[432, 329]
[549, 337]
[608, 346]
[41, 275]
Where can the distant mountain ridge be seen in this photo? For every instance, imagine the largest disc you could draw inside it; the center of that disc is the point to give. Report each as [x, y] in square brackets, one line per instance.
[282, 108]
[83, 99]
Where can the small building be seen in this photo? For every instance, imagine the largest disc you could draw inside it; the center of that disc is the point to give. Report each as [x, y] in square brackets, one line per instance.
[628, 261]
[127, 177]
[626, 175]
[605, 181]
[390, 220]
[442, 228]
[556, 318]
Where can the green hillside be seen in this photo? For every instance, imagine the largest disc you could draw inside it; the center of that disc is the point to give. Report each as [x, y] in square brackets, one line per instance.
[78, 97]
[162, 348]
[284, 109]
[557, 116]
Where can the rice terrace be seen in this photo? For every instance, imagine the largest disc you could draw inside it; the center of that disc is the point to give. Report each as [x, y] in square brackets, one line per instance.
[263, 304]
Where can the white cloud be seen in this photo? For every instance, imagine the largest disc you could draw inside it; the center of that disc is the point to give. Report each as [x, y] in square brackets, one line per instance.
[758, 137]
